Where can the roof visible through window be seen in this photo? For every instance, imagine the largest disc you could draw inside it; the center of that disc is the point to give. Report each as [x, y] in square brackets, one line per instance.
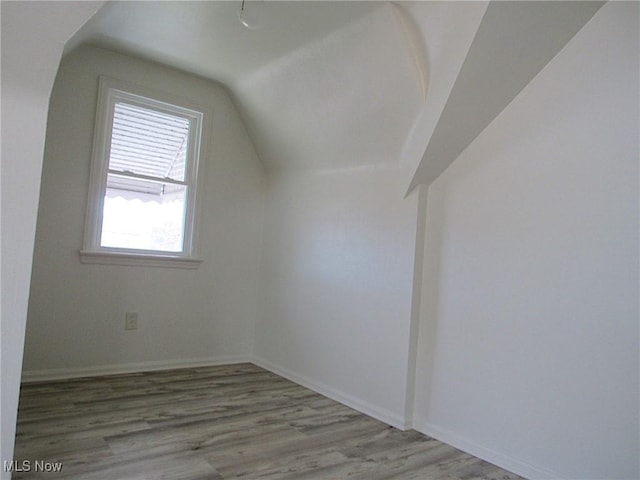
[147, 142]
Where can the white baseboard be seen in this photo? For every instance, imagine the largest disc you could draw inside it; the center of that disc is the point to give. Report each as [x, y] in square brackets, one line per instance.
[30, 376]
[504, 461]
[361, 406]
[499, 459]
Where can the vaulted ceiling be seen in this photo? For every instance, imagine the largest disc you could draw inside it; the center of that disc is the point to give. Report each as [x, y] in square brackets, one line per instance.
[333, 85]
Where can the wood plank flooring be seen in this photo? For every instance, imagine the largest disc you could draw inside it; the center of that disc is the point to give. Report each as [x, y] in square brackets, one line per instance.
[237, 421]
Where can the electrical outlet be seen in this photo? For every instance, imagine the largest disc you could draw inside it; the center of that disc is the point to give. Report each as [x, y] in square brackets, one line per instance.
[131, 321]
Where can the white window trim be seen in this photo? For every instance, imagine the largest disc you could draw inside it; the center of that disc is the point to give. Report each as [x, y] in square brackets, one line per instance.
[110, 91]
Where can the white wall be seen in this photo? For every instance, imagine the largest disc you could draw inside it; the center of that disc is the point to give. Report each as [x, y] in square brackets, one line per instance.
[528, 348]
[35, 31]
[76, 311]
[446, 31]
[336, 285]
[529, 352]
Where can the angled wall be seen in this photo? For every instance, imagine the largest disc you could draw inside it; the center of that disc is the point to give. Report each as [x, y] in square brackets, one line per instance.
[528, 349]
[76, 312]
[35, 31]
[330, 121]
[336, 285]
[514, 40]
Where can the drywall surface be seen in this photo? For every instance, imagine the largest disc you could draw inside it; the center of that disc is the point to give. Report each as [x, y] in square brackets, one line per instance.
[77, 311]
[514, 41]
[444, 31]
[37, 32]
[336, 285]
[327, 104]
[313, 81]
[528, 349]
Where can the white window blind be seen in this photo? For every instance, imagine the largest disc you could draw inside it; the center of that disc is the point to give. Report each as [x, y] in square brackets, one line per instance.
[144, 177]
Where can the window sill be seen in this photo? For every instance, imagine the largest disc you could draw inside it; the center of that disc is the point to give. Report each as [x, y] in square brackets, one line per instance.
[138, 260]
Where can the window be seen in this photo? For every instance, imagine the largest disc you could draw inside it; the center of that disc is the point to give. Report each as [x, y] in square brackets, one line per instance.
[144, 177]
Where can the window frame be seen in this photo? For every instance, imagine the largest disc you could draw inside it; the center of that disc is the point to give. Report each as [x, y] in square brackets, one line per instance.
[111, 91]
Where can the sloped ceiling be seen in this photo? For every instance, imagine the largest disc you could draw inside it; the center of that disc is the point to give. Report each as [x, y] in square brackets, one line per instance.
[319, 84]
[206, 37]
[345, 100]
[333, 85]
[514, 41]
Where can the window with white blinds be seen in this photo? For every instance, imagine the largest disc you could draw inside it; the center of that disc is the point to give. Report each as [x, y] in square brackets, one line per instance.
[142, 198]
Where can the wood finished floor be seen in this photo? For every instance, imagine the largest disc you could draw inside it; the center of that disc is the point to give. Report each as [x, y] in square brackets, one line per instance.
[223, 422]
